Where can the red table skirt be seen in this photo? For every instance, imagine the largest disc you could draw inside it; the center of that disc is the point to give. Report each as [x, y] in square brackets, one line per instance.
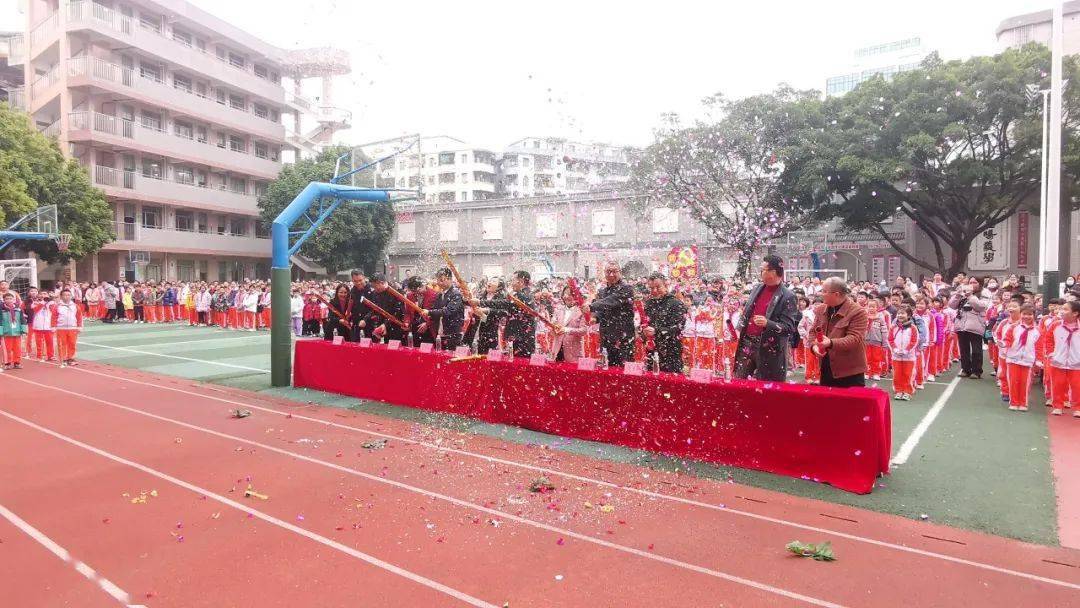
[837, 436]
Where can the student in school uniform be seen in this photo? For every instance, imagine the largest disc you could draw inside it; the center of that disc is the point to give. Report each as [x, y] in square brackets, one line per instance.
[1064, 360]
[732, 318]
[813, 362]
[877, 340]
[1020, 357]
[67, 320]
[41, 324]
[12, 330]
[904, 345]
[296, 313]
[250, 307]
[1045, 346]
[937, 353]
[28, 308]
[1000, 331]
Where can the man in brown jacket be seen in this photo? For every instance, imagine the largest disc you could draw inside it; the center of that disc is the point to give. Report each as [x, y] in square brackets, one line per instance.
[839, 336]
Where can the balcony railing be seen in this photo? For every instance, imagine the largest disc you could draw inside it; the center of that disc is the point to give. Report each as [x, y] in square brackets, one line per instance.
[81, 9]
[16, 50]
[126, 178]
[44, 81]
[17, 98]
[52, 130]
[100, 69]
[44, 30]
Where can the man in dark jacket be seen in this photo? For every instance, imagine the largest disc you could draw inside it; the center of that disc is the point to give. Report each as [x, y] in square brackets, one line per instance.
[520, 326]
[382, 298]
[614, 311]
[768, 321]
[449, 310]
[362, 325]
[667, 315]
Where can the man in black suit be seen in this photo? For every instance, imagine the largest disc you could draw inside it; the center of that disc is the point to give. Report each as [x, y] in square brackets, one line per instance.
[768, 322]
[614, 310]
[449, 310]
[520, 326]
[383, 329]
[362, 325]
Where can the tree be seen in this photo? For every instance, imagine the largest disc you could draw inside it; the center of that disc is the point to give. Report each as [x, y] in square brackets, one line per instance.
[953, 146]
[355, 236]
[727, 171]
[34, 173]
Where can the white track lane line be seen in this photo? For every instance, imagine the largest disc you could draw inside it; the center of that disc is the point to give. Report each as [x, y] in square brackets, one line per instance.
[222, 339]
[145, 352]
[412, 576]
[600, 482]
[436, 495]
[103, 583]
[909, 444]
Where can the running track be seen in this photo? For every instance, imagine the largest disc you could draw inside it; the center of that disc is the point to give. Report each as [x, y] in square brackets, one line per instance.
[434, 518]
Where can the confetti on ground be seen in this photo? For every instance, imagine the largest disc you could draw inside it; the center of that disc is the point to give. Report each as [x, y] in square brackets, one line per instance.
[374, 444]
[821, 552]
[241, 413]
[541, 485]
[607, 508]
[251, 493]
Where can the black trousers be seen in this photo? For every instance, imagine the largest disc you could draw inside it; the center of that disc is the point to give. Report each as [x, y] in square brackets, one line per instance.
[827, 378]
[971, 352]
[619, 349]
[451, 341]
[669, 353]
[331, 328]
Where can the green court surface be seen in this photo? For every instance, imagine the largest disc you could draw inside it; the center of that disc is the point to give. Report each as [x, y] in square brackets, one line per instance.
[977, 466]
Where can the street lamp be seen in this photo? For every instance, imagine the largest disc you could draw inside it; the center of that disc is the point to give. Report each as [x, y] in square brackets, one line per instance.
[1032, 91]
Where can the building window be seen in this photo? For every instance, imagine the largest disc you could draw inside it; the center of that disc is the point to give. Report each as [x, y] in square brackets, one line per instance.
[185, 270]
[446, 178]
[185, 221]
[262, 229]
[236, 144]
[446, 197]
[448, 230]
[147, 70]
[546, 225]
[446, 158]
[151, 217]
[237, 226]
[183, 129]
[237, 102]
[464, 158]
[492, 228]
[464, 196]
[464, 178]
[665, 220]
[526, 161]
[202, 223]
[260, 110]
[184, 175]
[603, 222]
[182, 82]
[261, 150]
[406, 232]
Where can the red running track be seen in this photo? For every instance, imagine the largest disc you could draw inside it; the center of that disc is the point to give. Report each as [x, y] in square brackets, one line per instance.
[434, 518]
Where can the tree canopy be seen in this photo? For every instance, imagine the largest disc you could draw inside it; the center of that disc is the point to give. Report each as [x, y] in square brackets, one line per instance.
[953, 146]
[34, 173]
[355, 236]
[727, 171]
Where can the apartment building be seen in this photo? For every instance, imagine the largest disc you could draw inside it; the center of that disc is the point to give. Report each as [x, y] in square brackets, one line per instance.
[884, 59]
[177, 116]
[1019, 30]
[541, 166]
[449, 170]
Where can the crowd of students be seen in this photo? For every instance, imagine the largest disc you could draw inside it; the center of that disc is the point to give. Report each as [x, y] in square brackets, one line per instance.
[915, 332]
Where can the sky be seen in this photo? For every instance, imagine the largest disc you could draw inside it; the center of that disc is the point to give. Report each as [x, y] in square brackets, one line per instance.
[593, 70]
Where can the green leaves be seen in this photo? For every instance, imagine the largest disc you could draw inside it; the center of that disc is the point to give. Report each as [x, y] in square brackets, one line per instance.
[353, 237]
[821, 552]
[34, 173]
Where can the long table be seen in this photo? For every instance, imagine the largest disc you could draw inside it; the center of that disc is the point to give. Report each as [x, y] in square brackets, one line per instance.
[841, 437]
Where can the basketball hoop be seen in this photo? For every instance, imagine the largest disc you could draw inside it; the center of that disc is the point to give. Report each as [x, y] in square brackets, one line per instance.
[63, 241]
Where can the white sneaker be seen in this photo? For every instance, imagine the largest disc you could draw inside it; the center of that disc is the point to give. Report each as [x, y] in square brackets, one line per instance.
[875, 377]
[1076, 414]
[1056, 411]
[1013, 408]
[930, 378]
[907, 397]
[1022, 408]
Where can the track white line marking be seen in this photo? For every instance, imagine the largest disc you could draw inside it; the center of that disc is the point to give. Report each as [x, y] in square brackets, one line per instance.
[103, 583]
[144, 352]
[908, 447]
[169, 344]
[256, 513]
[436, 495]
[608, 484]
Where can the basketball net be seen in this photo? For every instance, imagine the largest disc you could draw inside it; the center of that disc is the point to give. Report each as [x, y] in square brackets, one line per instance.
[63, 241]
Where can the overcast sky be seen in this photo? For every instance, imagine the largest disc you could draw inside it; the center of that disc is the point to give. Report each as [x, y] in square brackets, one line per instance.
[492, 72]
